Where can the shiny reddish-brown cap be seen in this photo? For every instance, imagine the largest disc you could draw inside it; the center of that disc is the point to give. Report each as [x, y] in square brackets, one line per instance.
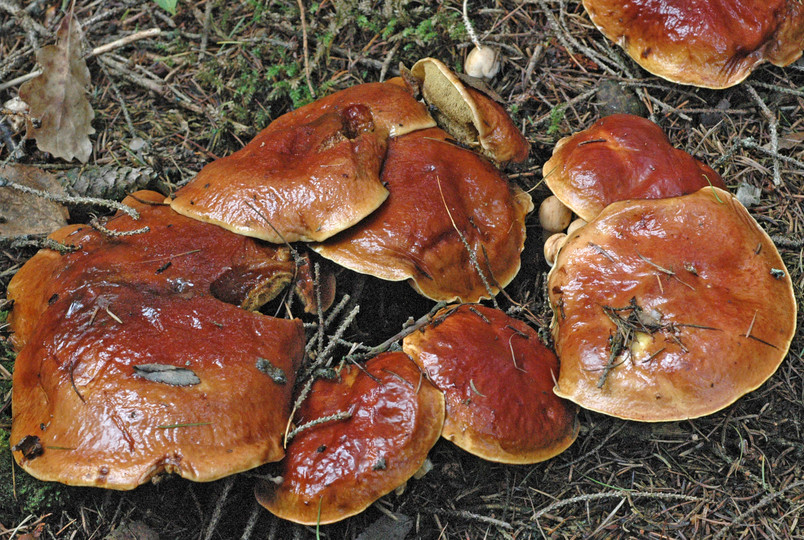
[497, 378]
[177, 255]
[337, 469]
[622, 157]
[669, 309]
[120, 384]
[709, 43]
[437, 187]
[469, 115]
[303, 182]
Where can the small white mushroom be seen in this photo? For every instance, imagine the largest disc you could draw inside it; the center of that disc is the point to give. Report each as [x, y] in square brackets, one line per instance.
[575, 225]
[552, 245]
[482, 62]
[553, 215]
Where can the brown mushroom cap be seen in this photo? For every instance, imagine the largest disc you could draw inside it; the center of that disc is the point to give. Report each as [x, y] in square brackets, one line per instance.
[707, 43]
[337, 469]
[176, 256]
[434, 183]
[84, 388]
[622, 157]
[304, 182]
[497, 378]
[669, 309]
[128, 336]
[469, 115]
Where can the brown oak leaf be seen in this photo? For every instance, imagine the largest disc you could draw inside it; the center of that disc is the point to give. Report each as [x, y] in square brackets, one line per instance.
[58, 99]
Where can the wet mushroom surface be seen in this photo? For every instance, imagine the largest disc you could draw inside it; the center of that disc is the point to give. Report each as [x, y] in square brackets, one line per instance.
[669, 309]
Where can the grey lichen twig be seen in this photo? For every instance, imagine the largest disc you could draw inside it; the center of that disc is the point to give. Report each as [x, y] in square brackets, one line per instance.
[68, 199]
[614, 495]
[774, 135]
[98, 226]
[342, 415]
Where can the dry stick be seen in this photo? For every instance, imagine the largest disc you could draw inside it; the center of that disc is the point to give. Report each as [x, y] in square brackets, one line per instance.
[96, 224]
[216, 513]
[463, 514]
[34, 240]
[762, 503]
[252, 521]
[304, 47]
[386, 64]
[205, 31]
[773, 126]
[468, 25]
[614, 495]
[751, 143]
[68, 199]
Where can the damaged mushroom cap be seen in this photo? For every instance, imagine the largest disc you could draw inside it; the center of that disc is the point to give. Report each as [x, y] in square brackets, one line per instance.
[437, 189]
[622, 157]
[713, 44]
[669, 309]
[336, 469]
[303, 182]
[497, 378]
[176, 256]
[121, 384]
[469, 115]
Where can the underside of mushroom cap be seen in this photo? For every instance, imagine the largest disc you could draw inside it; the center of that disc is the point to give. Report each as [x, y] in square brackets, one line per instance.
[497, 378]
[708, 43]
[622, 157]
[439, 193]
[336, 469]
[669, 309]
[469, 115]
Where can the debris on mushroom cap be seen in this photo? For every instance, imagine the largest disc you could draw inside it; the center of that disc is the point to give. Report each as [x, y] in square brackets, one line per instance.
[554, 216]
[669, 309]
[482, 62]
[438, 189]
[469, 115]
[387, 417]
[497, 377]
[121, 384]
[303, 182]
[701, 42]
[128, 336]
[622, 157]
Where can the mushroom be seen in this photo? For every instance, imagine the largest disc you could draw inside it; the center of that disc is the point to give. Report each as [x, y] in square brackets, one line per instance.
[621, 157]
[441, 196]
[383, 419]
[470, 115]
[311, 173]
[482, 62]
[669, 309]
[497, 377]
[703, 43]
[130, 364]
[554, 216]
[552, 245]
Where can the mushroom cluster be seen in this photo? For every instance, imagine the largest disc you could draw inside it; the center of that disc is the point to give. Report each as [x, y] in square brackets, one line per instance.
[671, 302]
[142, 350]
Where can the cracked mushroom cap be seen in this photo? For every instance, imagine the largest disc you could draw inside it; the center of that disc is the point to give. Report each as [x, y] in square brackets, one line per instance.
[497, 378]
[311, 173]
[709, 43]
[669, 309]
[437, 189]
[469, 115]
[622, 157]
[131, 362]
[176, 256]
[338, 468]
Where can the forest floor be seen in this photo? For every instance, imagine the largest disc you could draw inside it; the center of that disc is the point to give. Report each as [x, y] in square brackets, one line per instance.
[218, 72]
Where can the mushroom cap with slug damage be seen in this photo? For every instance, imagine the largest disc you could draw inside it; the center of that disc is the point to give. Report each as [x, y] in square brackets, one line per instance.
[621, 157]
[708, 43]
[311, 173]
[338, 468]
[130, 364]
[668, 309]
[497, 378]
[437, 189]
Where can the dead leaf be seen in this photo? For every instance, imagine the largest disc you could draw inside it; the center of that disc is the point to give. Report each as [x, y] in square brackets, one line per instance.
[132, 530]
[22, 213]
[58, 99]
